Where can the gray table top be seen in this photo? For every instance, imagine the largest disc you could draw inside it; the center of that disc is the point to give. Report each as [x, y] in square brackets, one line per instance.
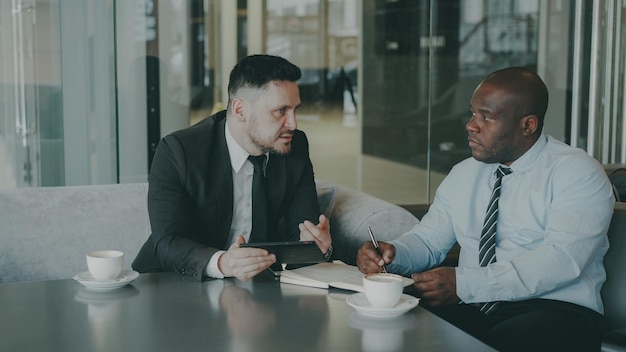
[167, 312]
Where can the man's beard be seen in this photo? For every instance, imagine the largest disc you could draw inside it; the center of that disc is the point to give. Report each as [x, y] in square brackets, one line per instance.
[269, 146]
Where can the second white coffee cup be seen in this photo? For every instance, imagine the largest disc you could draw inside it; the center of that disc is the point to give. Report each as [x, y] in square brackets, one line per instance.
[105, 265]
[383, 290]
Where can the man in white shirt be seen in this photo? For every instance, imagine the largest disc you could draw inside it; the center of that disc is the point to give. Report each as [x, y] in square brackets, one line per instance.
[538, 286]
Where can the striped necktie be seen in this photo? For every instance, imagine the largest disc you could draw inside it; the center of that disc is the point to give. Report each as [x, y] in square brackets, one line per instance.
[487, 249]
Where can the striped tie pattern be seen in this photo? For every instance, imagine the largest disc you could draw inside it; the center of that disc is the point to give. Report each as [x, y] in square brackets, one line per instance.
[487, 249]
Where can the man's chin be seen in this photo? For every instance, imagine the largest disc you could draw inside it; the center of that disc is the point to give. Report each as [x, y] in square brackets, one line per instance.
[479, 156]
[484, 159]
[281, 149]
[475, 155]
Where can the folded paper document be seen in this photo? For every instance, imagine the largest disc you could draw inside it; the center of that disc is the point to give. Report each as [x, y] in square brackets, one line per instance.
[325, 275]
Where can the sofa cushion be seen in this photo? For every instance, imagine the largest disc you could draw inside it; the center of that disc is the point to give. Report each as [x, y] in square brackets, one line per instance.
[614, 289]
[326, 200]
[46, 232]
[614, 341]
[354, 211]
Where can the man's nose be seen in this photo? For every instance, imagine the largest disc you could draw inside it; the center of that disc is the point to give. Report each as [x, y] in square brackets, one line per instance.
[291, 122]
[471, 125]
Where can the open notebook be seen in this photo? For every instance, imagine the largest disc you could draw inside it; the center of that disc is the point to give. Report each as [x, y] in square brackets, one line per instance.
[324, 275]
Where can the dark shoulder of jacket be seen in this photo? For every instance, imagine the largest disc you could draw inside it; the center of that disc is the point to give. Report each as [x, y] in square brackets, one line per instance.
[198, 133]
[300, 143]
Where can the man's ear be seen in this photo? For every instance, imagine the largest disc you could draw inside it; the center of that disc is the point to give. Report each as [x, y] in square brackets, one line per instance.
[239, 109]
[530, 124]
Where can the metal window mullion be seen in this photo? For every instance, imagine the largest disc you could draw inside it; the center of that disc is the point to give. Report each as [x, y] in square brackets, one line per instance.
[32, 125]
[616, 30]
[608, 79]
[18, 72]
[622, 157]
[593, 78]
[576, 73]
[430, 100]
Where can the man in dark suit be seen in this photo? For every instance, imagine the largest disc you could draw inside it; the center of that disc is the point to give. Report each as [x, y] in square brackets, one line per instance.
[200, 182]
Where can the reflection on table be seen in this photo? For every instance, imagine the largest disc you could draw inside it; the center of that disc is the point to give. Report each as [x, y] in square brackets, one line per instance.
[166, 312]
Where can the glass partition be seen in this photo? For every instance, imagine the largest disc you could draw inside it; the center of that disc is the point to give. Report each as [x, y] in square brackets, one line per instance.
[386, 83]
[57, 93]
[30, 95]
[605, 109]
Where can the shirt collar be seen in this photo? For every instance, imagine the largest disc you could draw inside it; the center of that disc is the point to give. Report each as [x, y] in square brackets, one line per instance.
[238, 155]
[527, 159]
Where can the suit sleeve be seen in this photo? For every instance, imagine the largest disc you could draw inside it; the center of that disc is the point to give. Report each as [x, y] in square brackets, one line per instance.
[171, 213]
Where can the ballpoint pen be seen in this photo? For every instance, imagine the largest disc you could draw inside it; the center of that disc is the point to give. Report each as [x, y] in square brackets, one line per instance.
[376, 246]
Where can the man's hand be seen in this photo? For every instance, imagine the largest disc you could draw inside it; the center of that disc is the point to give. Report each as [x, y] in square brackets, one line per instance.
[369, 261]
[319, 233]
[244, 263]
[437, 287]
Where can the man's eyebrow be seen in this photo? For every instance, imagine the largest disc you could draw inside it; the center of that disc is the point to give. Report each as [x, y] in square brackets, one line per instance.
[287, 106]
[480, 109]
[484, 110]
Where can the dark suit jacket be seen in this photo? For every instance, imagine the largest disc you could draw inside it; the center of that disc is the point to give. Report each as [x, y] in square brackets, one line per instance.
[190, 197]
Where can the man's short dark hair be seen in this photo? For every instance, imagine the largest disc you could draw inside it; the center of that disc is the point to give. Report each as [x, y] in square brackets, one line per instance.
[255, 71]
[527, 87]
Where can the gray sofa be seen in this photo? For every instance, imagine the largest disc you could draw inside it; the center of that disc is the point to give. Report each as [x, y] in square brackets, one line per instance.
[46, 232]
[614, 289]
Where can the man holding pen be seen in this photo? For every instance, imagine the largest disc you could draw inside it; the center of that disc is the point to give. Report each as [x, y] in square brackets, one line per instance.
[530, 214]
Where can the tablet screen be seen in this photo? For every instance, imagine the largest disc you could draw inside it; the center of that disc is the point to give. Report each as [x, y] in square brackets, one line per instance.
[292, 252]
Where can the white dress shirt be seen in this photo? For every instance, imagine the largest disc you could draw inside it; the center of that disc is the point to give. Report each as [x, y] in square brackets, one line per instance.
[243, 171]
[554, 212]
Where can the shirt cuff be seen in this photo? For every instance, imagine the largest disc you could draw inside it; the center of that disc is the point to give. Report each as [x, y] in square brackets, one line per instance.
[212, 269]
[471, 285]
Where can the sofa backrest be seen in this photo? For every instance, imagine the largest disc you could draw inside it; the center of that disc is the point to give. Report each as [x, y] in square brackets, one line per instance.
[614, 289]
[353, 211]
[46, 232]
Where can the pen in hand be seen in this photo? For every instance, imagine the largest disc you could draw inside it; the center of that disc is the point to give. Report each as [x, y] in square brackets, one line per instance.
[376, 246]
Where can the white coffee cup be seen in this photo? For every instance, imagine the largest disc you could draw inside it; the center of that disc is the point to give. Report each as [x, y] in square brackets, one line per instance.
[383, 290]
[105, 265]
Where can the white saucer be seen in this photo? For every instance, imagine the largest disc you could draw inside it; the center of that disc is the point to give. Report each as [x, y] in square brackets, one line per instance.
[401, 323]
[359, 302]
[125, 278]
[89, 296]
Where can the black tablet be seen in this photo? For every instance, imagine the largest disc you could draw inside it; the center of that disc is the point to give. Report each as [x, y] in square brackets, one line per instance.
[292, 252]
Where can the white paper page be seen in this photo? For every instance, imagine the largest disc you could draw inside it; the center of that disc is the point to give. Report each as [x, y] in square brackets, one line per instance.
[336, 271]
[336, 274]
[293, 278]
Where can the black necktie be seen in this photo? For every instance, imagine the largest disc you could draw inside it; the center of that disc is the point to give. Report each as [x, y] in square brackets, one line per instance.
[487, 249]
[259, 200]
